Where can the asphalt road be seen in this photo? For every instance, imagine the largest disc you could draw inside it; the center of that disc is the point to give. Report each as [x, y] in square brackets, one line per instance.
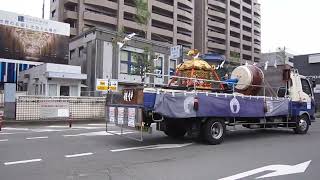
[87, 152]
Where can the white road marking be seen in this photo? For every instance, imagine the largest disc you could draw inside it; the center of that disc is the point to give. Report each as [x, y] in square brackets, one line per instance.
[3, 140]
[43, 137]
[7, 133]
[278, 170]
[46, 130]
[76, 127]
[22, 162]
[159, 146]
[78, 155]
[97, 125]
[16, 129]
[98, 133]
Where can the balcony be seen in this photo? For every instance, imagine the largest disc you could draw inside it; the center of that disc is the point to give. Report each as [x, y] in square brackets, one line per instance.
[87, 15]
[235, 39]
[246, 14]
[217, 3]
[160, 31]
[184, 38]
[216, 24]
[248, 43]
[217, 35]
[162, 18]
[216, 45]
[129, 9]
[162, 5]
[246, 33]
[237, 30]
[185, 14]
[69, 2]
[187, 3]
[246, 52]
[217, 14]
[247, 5]
[104, 3]
[70, 15]
[234, 49]
[236, 10]
[184, 25]
[247, 24]
[237, 1]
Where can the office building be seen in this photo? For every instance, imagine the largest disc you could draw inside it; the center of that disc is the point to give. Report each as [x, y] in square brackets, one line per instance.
[172, 21]
[229, 27]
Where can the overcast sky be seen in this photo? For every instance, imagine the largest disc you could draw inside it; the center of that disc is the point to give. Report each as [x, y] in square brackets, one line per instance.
[294, 24]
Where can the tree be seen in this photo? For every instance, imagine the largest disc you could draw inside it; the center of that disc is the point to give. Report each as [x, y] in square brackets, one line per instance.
[143, 63]
[143, 15]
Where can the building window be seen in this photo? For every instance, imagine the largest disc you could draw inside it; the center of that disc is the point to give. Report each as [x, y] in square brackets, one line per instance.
[53, 13]
[73, 90]
[172, 67]
[72, 54]
[128, 62]
[64, 90]
[158, 66]
[52, 90]
[81, 50]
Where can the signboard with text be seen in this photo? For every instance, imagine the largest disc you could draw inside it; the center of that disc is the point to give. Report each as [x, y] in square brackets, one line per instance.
[104, 85]
[33, 39]
[175, 52]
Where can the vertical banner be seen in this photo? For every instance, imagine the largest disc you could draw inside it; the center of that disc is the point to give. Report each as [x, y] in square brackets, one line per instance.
[112, 117]
[120, 115]
[131, 117]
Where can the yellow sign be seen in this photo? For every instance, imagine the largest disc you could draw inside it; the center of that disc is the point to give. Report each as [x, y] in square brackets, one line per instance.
[107, 85]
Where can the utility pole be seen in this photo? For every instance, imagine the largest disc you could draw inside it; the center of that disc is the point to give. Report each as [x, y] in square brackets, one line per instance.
[43, 3]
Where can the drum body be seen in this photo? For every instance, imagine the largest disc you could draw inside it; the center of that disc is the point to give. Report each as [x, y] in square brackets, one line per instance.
[250, 79]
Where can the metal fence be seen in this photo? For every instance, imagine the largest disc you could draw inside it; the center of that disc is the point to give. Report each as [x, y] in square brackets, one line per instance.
[30, 107]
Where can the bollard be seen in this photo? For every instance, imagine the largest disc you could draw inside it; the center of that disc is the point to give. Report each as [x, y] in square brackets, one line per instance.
[70, 120]
[1, 122]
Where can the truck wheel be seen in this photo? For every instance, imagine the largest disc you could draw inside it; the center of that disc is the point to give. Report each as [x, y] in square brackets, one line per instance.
[214, 131]
[302, 125]
[174, 130]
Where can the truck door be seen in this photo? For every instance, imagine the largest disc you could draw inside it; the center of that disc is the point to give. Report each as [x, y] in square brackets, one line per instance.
[307, 97]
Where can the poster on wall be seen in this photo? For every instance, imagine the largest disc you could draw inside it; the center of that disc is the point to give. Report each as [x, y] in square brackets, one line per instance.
[54, 110]
[33, 39]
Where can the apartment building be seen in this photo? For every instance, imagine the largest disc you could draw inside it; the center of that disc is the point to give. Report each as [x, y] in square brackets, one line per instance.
[229, 27]
[172, 21]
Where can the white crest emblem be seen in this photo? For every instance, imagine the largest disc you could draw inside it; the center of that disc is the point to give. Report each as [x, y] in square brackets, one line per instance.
[188, 104]
[234, 106]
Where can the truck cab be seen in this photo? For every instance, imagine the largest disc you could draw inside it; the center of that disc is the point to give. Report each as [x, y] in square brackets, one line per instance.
[301, 94]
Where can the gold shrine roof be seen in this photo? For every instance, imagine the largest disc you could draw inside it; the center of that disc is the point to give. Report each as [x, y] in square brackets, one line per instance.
[197, 64]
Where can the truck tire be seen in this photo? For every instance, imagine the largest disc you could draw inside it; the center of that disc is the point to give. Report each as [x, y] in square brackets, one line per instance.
[302, 125]
[174, 130]
[214, 131]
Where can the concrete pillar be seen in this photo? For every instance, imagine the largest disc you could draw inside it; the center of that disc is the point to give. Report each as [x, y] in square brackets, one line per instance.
[10, 100]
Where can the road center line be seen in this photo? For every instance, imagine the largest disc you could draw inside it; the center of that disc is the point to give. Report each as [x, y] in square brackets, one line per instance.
[22, 162]
[43, 137]
[3, 140]
[78, 155]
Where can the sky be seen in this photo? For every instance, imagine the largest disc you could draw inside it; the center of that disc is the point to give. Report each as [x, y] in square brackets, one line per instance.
[293, 24]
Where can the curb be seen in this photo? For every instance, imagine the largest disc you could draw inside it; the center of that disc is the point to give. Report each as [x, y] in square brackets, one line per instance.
[49, 122]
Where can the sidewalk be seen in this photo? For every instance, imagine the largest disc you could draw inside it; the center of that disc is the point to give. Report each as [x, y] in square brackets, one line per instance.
[49, 122]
